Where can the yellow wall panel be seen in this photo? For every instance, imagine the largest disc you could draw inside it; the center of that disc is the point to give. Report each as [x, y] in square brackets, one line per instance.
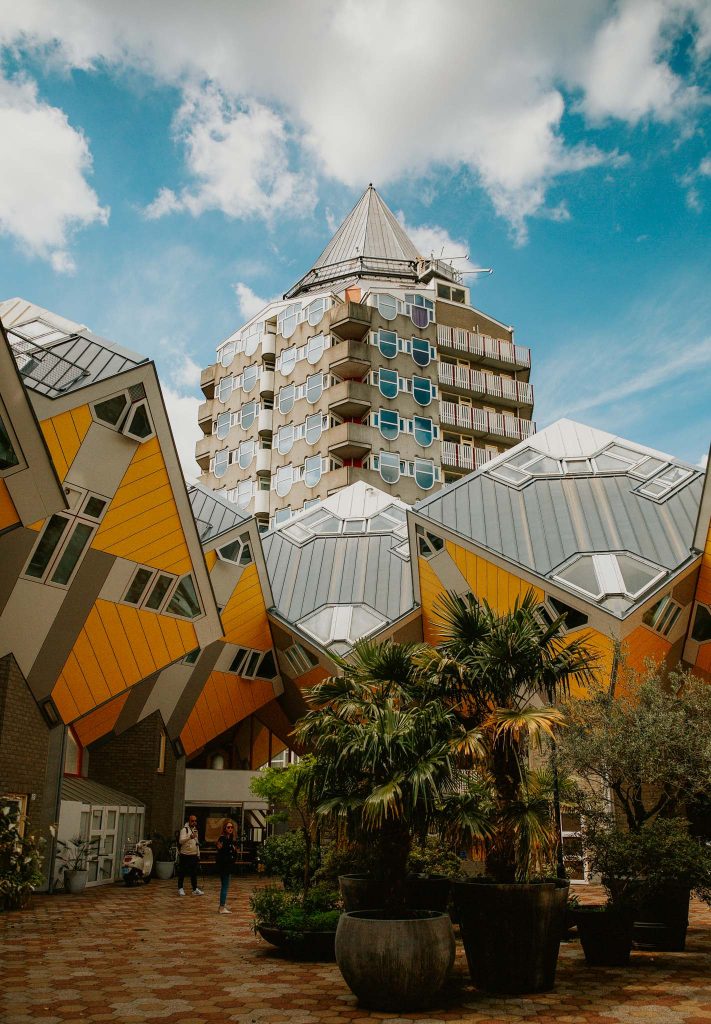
[8, 513]
[91, 670]
[245, 615]
[152, 629]
[225, 700]
[488, 582]
[143, 523]
[73, 676]
[66, 705]
[131, 621]
[124, 659]
[103, 649]
[100, 722]
[210, 559]
[643, 643]
[64, 434]
[430, 590]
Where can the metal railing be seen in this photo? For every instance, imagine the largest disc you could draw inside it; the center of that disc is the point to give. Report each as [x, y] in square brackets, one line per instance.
[483, 346]
[482, 422]
[465, 379]
[43, 368]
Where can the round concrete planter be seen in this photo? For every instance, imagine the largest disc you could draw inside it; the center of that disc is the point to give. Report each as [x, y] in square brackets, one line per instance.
[395, 964]
[511, 933]
[75, 881]
[313, 946]
[164, 869]
[428, 892]
[605, 935]
[361, 892]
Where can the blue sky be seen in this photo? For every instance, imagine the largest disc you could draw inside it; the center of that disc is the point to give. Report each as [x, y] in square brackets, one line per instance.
[165, 166]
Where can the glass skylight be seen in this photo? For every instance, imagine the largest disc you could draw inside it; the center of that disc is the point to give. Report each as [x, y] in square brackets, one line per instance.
[607, 575]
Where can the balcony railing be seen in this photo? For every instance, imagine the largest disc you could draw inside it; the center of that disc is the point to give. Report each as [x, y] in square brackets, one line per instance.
[482, 422]
[483, 346]
[517, 391]
[464, 456]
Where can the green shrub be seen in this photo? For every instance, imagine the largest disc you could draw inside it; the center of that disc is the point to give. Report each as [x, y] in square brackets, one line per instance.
[285, 856]
[432, 858]
[295, 913]
[345, 859]
[20, 860]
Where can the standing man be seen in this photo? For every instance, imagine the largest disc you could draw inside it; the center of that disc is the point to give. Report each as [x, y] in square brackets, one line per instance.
[189, 856]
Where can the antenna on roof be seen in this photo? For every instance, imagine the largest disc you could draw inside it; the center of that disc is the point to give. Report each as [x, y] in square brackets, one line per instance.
[474, 270]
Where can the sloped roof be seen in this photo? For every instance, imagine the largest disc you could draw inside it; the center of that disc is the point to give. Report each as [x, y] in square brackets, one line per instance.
[55, 355]
[370, 242]
[591, 493]
[311, 567]
[87, 791]
[213, 514]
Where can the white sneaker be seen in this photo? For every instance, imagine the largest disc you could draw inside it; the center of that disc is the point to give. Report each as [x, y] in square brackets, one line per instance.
[224, 910]
[198, 892]
[181, 892]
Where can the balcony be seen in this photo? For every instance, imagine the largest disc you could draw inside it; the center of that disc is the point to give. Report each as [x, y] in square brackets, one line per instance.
[516, 393]
[266, 384]
[349, 360]
[205, 416]
[351, 323]
[207, 381]
[349, 399]
[203, 450]
[482, 423]
[268, 344]
[464, 456]
[264, 461]
[491, 351]
[261, 503]
[349, 440]
[265, 424]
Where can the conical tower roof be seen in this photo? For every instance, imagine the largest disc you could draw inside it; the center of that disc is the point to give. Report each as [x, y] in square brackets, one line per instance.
[370, 242]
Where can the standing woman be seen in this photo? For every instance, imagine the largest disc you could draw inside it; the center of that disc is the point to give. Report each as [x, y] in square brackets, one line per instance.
[226, 856]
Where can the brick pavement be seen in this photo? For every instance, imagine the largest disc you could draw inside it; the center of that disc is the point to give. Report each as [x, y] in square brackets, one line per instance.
[144, 955]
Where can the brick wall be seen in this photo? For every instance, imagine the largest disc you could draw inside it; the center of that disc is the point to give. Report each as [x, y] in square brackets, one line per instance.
[28, 761]
[129, 763]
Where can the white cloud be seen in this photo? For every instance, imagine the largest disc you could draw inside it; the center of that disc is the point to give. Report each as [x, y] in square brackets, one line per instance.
[237, 155]
[703, 461]
[185, 373]
[248, 302]
[360, 91]
[44, 193]
[182, 413]
[433, 240]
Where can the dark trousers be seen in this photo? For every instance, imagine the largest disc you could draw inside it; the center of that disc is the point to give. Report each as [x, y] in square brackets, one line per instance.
[187, 865]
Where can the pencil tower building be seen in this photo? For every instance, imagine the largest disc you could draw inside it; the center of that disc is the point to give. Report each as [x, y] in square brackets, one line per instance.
[374, 366]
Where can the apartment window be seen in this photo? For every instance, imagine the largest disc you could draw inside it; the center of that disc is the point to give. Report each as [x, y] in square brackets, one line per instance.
[111, 410]
[421, 351]
[138, 423]
[223, 424]
[387, 343]
[428, 544]
[248, 414]
[314, 348]
[601, 575]
[287, 361]
[662, 616]
[245, 453]
[314, 428]
[312, 470]
[283, 479]
[158, 591]
[388, 383]
[701, 629]
[665, 482]
[238, 551]
[286, 398]
[253, 664]
[314, 388]
[389, 424]
[192, 657]
[315, 310]
[184, 603]
[64, 540]
[445, 291]
[221, 462]
[282, 515]
[8, 455]
[242, 493]
[285, 438]
[287, 320]
[227, 354]
[250, 375]
[422, 390]
[424, 473]
[251, 336]
[389, 467]
[126, 412]
[387, 306]
[224, 388]
[423, 431]
[299, 659]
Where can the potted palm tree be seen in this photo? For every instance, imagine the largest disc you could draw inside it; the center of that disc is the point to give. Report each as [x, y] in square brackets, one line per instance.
[75, 856]
[391, 756]
[501, 674]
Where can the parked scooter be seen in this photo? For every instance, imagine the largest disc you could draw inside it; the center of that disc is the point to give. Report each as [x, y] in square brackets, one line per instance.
[137, 862]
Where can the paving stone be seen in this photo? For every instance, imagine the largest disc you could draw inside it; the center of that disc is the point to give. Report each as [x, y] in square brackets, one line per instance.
[145, 956]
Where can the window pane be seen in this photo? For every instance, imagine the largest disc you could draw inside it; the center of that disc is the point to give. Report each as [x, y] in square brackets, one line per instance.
[388, 383]
[423, 431]
[286, 398]
[288, 361]
[389, 421]
[285, 438]
[422, 390]
[139, 423]
[354, 526]
[138, 586]
[582, 574]
[249, 413]
[94, 507]
[387, 305]
[387, 342]
[222, 461]
[8, 458]
[246, 453]
[390, 467]
[231, 552]
[314, 388]
[249, 377]
[701, 631]
[424, 473]
[160, 589]
[314, 425]
[51, 536]
[222, 427]
[267, 668]
[283, 480]
[185, 601]
[111, 410]
[227, 354]
[636, 575]
[573, 618]
[421, 351]
[72, 553]
[314, 348]
[312, 470]
[316, 309]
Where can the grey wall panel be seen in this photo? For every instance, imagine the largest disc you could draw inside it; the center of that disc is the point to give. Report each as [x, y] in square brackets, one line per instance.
[15, 547]
[304, 557]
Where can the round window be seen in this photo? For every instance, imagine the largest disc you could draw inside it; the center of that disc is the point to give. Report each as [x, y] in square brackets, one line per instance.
[285, 439]
[389, 465]
[388, 383]
[286, 398]
[389, 423]
[387, 343]
[424, 473]
[287, 361]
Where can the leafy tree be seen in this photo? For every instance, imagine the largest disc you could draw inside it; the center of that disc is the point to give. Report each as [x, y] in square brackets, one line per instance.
[20, 859]
[650, 745]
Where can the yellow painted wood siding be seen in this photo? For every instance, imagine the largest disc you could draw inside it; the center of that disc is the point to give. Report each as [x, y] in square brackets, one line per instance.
[244, 617]
[64, 434]
[226, 699]
[210, 559]
[118, 647]
[8, 512]
[143, 523]
[100, 722]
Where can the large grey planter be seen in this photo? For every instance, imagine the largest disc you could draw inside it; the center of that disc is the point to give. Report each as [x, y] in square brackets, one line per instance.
[75, 881]
[163, 869]
[395, 964]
